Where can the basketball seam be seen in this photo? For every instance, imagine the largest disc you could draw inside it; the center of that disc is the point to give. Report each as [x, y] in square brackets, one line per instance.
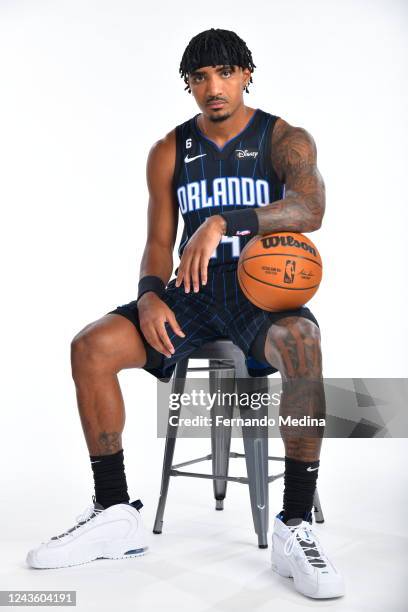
[283, 255]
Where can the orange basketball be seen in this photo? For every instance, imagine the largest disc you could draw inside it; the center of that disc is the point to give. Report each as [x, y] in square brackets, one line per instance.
[279, 271]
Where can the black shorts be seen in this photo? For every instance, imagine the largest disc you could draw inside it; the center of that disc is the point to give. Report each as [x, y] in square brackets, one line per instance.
[218, 309]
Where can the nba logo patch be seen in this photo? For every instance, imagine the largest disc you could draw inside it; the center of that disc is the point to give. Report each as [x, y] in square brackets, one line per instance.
[289, 271]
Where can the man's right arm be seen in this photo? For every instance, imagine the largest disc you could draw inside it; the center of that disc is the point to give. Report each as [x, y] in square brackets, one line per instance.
[157, 260]
[162, 214]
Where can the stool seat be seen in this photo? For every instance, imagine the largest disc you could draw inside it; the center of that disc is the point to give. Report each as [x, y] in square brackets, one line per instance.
[226, 366]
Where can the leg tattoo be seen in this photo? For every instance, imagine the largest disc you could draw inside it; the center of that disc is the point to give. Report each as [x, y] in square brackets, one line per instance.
[293, 346]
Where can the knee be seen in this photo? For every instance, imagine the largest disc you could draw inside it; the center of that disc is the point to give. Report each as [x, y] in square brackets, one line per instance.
[90, 350]
[294, 345]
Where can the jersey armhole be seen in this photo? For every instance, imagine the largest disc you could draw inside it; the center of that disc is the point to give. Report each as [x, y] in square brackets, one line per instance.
[272, 122]
[177, 164]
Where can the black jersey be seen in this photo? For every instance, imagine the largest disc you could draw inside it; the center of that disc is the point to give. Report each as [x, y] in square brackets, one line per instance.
[209, 180]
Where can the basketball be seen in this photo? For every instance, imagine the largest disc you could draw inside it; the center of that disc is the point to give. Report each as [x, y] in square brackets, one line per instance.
[279, 271]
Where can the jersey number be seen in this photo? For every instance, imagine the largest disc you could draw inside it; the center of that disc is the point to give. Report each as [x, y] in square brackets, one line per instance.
[235, 243]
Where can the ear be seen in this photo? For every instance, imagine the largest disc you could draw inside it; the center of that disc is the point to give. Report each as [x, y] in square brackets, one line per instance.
[188, 87]
[246, 73]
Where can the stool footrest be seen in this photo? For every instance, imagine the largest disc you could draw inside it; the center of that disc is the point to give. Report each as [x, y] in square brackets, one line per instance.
[174, 471]
[270, 458]
[184, 463]
[241, 479]
[232, 455]
[207, 368]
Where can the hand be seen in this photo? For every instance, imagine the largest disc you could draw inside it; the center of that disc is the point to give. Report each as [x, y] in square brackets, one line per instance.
[153, 313]
[197, 252]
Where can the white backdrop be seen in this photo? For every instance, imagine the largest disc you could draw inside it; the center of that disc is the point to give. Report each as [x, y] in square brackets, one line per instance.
[86, 89]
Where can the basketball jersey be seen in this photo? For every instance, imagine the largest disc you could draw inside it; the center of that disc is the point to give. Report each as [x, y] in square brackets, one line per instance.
[209, 179]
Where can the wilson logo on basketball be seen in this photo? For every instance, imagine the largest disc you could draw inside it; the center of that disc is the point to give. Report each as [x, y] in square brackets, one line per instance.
[275, 241]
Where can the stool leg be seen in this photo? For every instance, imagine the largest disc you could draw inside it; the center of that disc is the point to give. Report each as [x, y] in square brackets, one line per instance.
[318, 512]
[256, 457]
[178, 385]
[221, 434]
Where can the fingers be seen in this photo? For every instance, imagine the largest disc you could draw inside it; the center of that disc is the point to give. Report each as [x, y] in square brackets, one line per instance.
[183, 275]
[180, 273]
[156, 341]
[165, 340]
[156, 334]
[199, 268]
[190, 270]
[203, 270]
[171, 318]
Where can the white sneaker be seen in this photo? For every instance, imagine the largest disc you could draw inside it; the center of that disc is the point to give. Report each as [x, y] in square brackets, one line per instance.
[297, 554]
[114, 533]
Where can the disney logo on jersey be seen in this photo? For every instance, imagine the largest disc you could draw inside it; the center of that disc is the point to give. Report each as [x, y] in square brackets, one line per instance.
[245, 153]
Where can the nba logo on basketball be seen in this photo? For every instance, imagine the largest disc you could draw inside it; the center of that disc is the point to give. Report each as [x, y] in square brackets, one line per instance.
[289, 271]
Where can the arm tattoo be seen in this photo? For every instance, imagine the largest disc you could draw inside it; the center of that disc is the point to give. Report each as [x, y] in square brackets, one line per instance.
[294, 160]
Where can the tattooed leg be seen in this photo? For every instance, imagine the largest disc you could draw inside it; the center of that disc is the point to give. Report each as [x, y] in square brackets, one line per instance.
[98, 353]
[293, 347]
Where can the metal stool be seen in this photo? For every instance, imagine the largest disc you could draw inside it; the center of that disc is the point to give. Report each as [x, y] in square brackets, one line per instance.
[226, 365]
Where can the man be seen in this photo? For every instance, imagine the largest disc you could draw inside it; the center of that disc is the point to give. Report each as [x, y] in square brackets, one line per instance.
[234, 172]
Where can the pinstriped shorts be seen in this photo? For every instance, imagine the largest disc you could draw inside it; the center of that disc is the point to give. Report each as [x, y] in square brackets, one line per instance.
[218, 309]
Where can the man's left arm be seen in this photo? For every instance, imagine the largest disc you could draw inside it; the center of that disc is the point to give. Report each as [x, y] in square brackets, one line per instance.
[294, 159]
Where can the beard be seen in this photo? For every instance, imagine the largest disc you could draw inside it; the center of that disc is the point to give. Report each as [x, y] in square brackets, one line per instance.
[218, 117]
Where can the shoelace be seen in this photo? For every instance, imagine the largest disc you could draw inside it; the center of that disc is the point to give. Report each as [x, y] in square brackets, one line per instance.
[318, 559]
[81, 519]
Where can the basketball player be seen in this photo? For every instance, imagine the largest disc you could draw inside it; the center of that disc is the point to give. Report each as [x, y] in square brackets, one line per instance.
[234, 172]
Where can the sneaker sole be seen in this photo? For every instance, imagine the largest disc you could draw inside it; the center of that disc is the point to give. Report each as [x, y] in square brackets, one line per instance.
[133, 552]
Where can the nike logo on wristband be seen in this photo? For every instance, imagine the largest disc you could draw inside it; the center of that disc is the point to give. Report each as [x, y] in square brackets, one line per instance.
[309, 469]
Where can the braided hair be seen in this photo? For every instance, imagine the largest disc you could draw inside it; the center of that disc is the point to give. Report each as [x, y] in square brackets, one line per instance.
[212, 48]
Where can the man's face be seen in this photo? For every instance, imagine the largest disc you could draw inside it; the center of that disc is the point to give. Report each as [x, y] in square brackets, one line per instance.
[218, 90]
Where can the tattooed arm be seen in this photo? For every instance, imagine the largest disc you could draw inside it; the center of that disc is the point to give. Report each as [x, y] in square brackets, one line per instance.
[294, 161]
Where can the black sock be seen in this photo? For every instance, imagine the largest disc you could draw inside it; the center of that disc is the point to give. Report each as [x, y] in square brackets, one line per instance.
[300, 484]
[110, 479]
